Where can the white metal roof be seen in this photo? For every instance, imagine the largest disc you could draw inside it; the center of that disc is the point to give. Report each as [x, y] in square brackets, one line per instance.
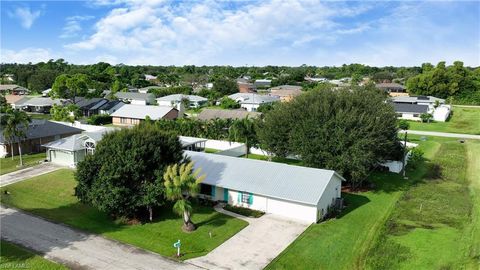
[417, 99]
[186, 141]
[276, 180]
[179, 97]
[142, 111]
[251, 98]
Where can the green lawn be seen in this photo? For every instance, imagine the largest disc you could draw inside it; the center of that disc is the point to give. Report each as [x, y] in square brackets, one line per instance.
[16, 257]
[435, 225]
[8, 165]
[40, 116]
[51, 196]
[463, 120]
[343, 243]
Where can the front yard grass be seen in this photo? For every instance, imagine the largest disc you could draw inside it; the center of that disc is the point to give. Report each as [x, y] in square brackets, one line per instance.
[16, 257]
[52, 196]
[343, 243]
[7, 165]
[463, 120]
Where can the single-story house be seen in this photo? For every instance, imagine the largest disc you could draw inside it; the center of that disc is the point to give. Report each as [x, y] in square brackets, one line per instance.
[262, 83]
[295, 192]
[13, 89]
[393, 89]
[90, 106]
[46, 93]
[410, 111]
[12, 99]
[174, 100]
[130, 114]
[147, 89]
[136, 98]
[251, 101]
[38, 133]
[110, 107]
[420, 100]
[38, 104]
[286, 92]
[71, 150]
[210, 114]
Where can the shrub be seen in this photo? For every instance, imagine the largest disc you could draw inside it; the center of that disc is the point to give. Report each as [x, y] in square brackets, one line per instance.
[244, 211]
[99, 119]
[416, 156]
[228, 103]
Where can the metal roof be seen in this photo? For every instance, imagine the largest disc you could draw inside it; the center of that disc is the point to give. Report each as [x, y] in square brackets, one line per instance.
[39, 101]
[42, 128]
[251, 98]
[271, 179]
[208, 114]
[142, 111]
[410, 108]
[416, 99]
[187, 141]
[134, 96]
[179, 97]
[77, 141]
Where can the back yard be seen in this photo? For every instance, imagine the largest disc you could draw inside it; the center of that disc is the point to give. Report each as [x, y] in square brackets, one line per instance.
[463, 120]
[400, 221]
[52, 196]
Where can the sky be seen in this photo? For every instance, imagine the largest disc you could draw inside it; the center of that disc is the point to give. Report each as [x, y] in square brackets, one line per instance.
[241, 33]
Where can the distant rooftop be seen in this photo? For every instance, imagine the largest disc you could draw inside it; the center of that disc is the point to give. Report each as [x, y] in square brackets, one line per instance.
[209, 114]
[251, 98]
[142, 111]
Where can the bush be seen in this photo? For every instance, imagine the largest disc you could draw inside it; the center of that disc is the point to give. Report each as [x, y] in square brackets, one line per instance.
[99, 119]
[228, 103]
[416, 156]
[244, 211]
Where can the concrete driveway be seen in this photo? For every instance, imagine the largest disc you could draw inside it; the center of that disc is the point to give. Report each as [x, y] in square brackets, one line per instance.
[255, 246]
[76, 249]
[443, 134]
[27, 173]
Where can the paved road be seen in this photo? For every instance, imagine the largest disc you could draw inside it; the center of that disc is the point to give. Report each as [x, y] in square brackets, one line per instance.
[255, 246]
[444, 134]
[27, 173]
[75, 249]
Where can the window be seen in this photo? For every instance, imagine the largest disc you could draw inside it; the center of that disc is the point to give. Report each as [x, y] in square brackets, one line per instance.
[90, 148]
[416, 115]
[245, 198]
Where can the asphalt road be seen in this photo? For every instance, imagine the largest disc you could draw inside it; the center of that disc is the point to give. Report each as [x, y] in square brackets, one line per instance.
[444, 134]
[78, 250]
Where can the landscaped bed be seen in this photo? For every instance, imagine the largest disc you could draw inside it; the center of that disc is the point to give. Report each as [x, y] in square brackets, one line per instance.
[7, 165]
[52, 196]
[16, 257]
[244, 211]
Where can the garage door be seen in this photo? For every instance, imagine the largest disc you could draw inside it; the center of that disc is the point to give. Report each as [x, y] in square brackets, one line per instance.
[61, 157]
[292, 210]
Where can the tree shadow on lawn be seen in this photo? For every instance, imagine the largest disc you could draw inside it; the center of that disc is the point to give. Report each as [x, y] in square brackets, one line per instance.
[353, 201]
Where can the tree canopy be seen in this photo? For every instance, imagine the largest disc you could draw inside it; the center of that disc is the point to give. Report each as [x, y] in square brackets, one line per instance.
[121, 177]
[346, 130]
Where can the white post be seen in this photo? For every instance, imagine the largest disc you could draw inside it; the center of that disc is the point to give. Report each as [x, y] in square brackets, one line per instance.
[178, 249]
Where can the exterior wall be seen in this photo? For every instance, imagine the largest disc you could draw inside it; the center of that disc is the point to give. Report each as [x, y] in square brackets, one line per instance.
[410, 116]
[123, 121]
[332, 191]
[65, 158]
[34, 145]
[3, 151]
[138, 102]
[441, 113]
[173, 114]
[250, 107]
[166, 103]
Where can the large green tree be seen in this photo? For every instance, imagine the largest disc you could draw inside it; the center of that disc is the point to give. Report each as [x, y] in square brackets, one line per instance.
[70, 86]
[120, 178]
[346, 130]
[225, 86]
[243, 130]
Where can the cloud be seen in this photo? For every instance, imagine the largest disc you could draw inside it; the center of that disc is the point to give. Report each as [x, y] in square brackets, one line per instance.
[73, 26]
[25, 15]
[27, 55]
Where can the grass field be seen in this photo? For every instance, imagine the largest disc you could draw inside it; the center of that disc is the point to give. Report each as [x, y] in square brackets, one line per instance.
[16, 257]
[463, 120]
[343, 243]
[8, 165]
[435, 225]
[51, 196]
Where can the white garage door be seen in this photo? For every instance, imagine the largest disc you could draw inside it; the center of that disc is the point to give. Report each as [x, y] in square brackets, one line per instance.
[292, 210]
[61, 157]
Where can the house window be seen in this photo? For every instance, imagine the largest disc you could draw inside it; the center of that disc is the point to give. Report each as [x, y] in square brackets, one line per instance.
[90, 148]
[245, 198]
[416, 115]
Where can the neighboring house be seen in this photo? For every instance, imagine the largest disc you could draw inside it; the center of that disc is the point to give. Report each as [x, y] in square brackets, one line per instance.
[130, 114]
[295, 192]
[176, 99]
[244, 86]
[38, 133]
[286, 92]
[442, 113]
[420, 100]
[46, 92]
[71, 150]
[13, 89]
[149, 77]
[210, 114]
[262, 83]
[393, 89]
[12, 99]
[251, 102]
[37, 104]
[90, 106]
[110, 107]
[314, 79]
[136, 98]
[410, 111]
[145, 90]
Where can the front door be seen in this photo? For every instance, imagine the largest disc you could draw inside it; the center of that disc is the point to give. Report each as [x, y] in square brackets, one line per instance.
[225, 194]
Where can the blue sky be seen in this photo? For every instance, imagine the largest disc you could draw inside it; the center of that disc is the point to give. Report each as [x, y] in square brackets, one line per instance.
[270, 32]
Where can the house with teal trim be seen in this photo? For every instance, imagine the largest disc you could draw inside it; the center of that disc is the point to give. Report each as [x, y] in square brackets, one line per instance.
[295, 192]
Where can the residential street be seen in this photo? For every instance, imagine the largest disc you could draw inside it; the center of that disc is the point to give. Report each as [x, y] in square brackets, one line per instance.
[444, 134]
[255, 246]
[27, 173]
[75, 249]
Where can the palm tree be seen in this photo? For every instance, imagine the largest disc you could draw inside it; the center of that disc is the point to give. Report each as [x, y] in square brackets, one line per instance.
[243, 130]
[182, 184]
[15, 125]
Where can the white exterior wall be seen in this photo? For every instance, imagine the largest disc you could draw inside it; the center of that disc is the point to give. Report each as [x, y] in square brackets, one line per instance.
[409, 116]
[332, 191]
[60, 157]
[138, 102]
[250, 107]
[441, 113]
[221, 145]
[3, 151]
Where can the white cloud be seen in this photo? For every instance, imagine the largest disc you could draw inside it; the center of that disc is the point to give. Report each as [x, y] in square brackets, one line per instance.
[25, 15]
[27, 55]
[73, 26]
